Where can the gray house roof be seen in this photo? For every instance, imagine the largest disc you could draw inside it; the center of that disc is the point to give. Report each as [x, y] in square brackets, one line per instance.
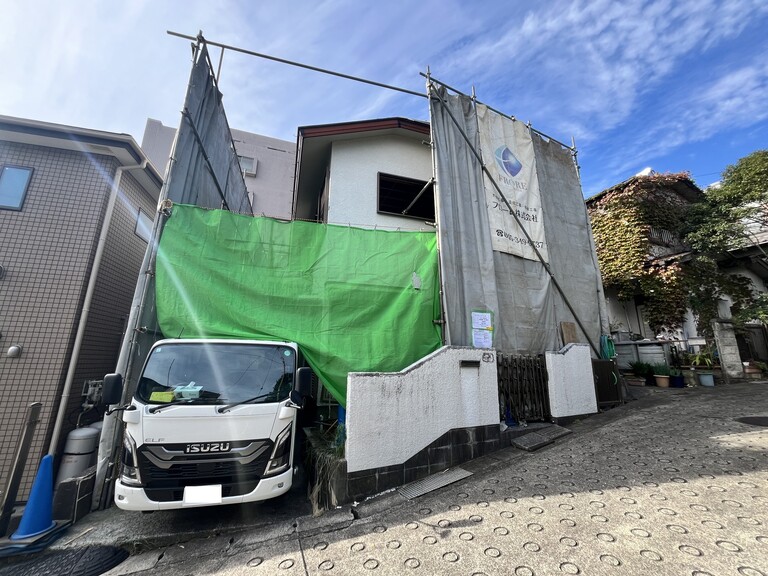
[121, 146]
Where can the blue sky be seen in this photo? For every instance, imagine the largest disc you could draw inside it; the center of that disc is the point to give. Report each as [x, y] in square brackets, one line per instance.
[674, 85]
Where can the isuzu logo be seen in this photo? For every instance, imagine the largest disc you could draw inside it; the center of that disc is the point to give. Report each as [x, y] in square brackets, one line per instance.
[206, 447]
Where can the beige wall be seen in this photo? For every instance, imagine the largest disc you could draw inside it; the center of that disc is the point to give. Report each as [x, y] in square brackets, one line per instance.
[355, 165]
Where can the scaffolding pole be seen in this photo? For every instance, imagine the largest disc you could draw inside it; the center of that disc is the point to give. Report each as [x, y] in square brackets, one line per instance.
[298, 64]
[199, 37]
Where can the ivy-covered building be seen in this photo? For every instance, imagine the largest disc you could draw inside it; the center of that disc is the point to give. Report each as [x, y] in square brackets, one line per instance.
[637, 226]
[655, 284]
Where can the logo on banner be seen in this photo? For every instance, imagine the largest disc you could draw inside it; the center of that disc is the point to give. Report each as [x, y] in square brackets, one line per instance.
[511, 189]
[507, 161]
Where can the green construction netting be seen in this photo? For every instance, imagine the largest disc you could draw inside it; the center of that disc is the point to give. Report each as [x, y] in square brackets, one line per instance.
[355, 300]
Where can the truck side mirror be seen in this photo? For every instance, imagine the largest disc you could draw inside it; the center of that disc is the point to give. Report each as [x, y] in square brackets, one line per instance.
[304, 381]
[112, 389]
[296, 400]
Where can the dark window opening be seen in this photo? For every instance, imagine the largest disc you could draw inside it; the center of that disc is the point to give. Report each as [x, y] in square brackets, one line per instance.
[661, 236]
[401, 196]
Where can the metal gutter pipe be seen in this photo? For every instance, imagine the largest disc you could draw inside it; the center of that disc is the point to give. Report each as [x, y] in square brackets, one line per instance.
[75, 356]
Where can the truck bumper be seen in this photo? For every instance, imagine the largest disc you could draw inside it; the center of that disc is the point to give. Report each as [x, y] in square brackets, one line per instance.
[130, 498]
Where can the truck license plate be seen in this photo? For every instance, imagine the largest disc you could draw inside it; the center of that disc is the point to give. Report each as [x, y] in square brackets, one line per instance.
[202, 495]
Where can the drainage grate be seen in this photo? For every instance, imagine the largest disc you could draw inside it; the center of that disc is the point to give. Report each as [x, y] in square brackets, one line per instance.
[88, 561]
[430, 483]
[532, 441]
[754, 420]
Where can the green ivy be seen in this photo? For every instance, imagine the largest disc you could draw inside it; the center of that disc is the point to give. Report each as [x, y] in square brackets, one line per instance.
[621, 223]
[665, 296]
[621, 241]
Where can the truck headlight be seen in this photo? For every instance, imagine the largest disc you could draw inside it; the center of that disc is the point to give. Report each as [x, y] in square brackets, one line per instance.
[279, 461]
[129, 463]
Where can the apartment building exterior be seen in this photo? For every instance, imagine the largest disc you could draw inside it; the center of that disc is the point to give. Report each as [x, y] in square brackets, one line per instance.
[55, 188]
[267, 164]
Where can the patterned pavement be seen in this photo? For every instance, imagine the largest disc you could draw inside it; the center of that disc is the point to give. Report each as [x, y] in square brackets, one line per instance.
[676, 487]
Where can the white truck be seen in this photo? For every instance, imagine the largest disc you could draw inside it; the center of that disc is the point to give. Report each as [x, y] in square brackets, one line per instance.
[211, 422]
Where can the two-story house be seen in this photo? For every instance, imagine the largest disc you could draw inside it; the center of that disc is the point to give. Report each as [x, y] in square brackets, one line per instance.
[374, 173]
[651, 277]
[636, 225]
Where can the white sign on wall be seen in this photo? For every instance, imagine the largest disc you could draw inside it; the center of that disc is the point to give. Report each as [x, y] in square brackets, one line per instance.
[482, 329]
[507, 150]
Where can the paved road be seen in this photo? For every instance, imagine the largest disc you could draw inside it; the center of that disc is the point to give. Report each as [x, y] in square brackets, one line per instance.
[672, 484]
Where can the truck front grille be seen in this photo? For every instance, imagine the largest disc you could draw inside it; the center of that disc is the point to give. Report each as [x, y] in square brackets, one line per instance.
[166, 470]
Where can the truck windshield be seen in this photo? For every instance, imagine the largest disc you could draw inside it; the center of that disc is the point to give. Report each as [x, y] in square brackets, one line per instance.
[217, 373]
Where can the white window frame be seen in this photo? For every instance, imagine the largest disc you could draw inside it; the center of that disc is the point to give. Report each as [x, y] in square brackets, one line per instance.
[142, 225]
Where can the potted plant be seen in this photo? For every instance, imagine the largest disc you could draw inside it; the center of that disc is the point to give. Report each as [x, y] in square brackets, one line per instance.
[644, 370]
[640, 370]
[661, 374]
[676, 378]
[702, 361]
[752, 370]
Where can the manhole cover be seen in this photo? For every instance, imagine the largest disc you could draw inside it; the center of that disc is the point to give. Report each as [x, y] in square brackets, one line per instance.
[754, 420]
[89, 561]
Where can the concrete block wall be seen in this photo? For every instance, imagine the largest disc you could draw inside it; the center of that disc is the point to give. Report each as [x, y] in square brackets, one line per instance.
[728, 349]
[393, 416]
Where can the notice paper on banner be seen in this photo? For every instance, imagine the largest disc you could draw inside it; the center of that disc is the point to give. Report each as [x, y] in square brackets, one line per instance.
[507, 150]
[482, 329]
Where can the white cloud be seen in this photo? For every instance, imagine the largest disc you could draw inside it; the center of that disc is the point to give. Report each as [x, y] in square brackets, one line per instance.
[587, 68]
[593, 60]
[96, 64]
[734, 101]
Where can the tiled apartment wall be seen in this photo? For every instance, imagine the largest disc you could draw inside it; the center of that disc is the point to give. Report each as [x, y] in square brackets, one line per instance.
[112, 298]
[46, 249]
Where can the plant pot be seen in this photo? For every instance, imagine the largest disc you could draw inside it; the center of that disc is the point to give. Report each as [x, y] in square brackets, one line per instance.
[752, 373]
[661, 381]
[677, 381]
[650, 380]
[706, 379]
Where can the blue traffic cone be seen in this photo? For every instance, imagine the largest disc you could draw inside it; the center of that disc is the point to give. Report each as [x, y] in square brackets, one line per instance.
[38, 513]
